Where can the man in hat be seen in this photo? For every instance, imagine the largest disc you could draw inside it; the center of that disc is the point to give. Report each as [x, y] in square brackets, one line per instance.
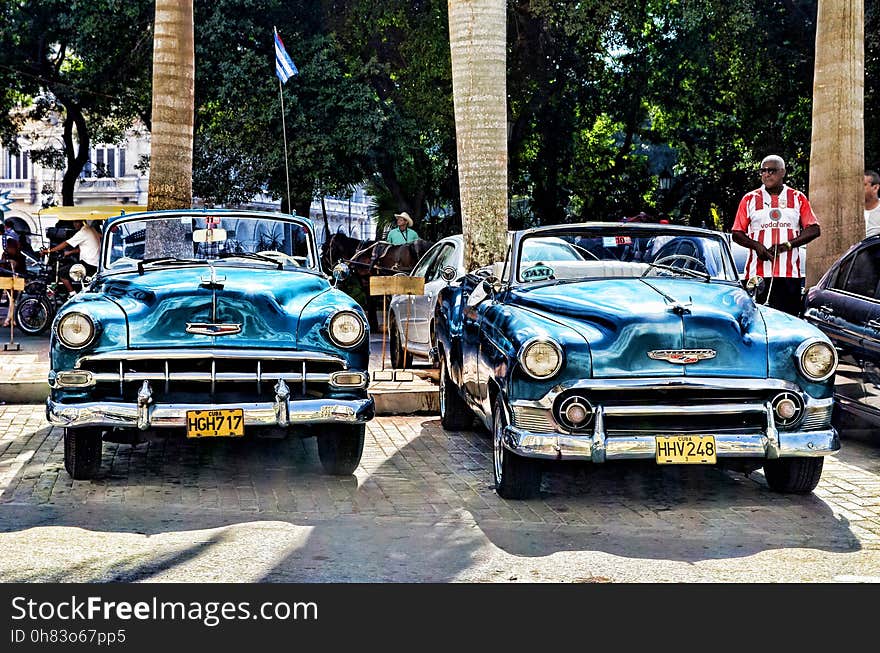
[403, 233]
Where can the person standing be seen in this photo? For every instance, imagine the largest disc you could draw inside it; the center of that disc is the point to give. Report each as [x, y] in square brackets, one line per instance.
[87, 242]
[773, 221]
[403, 233]
[872, 203]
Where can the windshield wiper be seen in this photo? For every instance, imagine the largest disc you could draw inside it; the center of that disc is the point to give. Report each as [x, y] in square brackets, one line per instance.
[166, 259]
[705, 276]
[253, 257]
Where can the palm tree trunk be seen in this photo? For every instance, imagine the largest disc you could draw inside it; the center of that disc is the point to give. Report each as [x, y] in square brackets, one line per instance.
[478, 43]
[837, 156]
[171, 147]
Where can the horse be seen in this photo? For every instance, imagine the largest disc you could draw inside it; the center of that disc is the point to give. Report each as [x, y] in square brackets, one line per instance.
[371, 257]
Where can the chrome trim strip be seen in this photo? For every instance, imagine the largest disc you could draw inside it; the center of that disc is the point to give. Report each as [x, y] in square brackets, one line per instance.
[180, 354]
[683, 383]
[706, 409]
[207, 377]
[153, 416]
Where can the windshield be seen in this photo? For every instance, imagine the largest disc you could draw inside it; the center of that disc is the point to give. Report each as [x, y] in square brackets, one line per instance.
[252, 240]
[609, 252]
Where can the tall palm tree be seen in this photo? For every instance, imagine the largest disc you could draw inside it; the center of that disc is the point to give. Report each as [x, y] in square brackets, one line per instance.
[837, 156]
[171, 146]
[478, 42]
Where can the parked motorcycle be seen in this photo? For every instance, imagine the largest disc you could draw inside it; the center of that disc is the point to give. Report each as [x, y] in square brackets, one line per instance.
[41, 298]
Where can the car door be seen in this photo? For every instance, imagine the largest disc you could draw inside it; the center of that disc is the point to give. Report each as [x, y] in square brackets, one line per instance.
[423, 305]
[865, 284]
[842, 308]
[402, 306]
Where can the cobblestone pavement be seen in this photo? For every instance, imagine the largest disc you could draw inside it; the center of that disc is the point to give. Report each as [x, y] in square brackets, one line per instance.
[420, 508]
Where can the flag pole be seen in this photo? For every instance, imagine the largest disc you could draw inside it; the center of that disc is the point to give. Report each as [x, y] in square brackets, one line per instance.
[284, 131]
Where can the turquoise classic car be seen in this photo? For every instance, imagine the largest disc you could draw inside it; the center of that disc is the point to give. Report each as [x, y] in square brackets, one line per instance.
[647, 346]
[209, 324]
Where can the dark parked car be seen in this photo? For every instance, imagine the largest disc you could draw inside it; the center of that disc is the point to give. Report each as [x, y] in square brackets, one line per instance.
[599, 359]
[231, 331]
[845, 304]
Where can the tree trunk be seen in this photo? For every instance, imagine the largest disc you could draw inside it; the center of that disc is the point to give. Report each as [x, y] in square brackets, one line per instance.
[171, 147]
[76, 151]
[478, 44]
[837, 156]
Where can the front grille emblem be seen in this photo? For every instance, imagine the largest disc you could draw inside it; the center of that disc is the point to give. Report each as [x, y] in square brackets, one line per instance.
[209, 329]
[681, 356]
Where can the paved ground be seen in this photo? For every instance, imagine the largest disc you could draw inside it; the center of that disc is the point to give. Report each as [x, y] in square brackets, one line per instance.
[420, 508]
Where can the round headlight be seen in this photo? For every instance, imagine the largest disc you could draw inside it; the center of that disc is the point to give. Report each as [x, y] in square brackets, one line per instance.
[347, 329]
[76, 330]
[541, 358]
[817, 359]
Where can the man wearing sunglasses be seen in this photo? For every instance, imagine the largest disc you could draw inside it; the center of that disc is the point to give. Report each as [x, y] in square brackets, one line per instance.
[774, 221]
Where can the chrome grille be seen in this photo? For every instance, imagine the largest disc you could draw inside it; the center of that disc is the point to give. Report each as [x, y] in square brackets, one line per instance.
[223, 375]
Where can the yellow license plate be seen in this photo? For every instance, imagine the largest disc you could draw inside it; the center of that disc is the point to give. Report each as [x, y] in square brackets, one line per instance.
[221, 423]
[686, 450]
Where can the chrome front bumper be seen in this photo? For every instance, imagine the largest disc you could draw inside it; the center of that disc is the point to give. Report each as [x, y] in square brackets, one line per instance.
[770, 444]
[537, 435]
[145, 415]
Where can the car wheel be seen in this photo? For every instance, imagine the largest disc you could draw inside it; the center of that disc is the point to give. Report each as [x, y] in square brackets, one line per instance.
[455, 414]
[793, 475]
[399, 361]
[515, 477]
[340, 451]
[33, 315]
[82, 452]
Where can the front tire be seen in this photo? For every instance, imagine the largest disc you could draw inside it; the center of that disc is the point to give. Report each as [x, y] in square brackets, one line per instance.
[399, 359]
[455, 415]
[793, 475]
[340, 451]
[515, 477]
[82, 452]
[33, 315]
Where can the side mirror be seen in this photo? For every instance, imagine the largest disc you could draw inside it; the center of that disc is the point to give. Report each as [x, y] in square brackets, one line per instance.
[448, 273]
[78, 272]
[754, 285]
[340, 272]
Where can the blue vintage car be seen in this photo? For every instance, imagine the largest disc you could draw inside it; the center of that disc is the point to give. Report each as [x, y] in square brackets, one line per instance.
[647, 347]
[209, 324]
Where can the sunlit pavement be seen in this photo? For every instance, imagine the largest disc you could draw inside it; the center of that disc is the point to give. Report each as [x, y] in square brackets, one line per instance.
[420, 508]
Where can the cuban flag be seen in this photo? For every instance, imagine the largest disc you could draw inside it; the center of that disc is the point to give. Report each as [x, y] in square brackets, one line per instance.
[284, 67]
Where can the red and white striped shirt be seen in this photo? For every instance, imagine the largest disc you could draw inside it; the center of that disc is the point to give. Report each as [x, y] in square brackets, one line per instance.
[771, 220]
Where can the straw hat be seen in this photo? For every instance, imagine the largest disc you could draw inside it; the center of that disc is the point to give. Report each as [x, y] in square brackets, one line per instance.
[406, 217]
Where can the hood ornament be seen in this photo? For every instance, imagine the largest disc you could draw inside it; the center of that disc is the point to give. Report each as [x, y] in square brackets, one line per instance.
[211, 329]
[681, 356]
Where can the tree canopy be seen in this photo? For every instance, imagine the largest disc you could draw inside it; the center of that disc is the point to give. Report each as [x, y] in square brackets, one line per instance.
[604, 96]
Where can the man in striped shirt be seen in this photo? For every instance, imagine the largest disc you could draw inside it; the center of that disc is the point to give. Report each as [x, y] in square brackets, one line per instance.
[774, 221]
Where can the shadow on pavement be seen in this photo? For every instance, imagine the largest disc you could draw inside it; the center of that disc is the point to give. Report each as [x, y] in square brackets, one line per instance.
[421, 508]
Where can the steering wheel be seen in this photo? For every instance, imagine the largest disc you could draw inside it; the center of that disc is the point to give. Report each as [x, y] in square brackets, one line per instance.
[667, 260]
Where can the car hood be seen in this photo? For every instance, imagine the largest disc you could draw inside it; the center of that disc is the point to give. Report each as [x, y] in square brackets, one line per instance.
[625, 319]
[263, 308]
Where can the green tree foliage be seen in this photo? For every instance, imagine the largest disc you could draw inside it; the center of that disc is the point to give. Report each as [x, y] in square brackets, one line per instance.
[602, 96]
[86, 60]
[332, 117]
[401, 47]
